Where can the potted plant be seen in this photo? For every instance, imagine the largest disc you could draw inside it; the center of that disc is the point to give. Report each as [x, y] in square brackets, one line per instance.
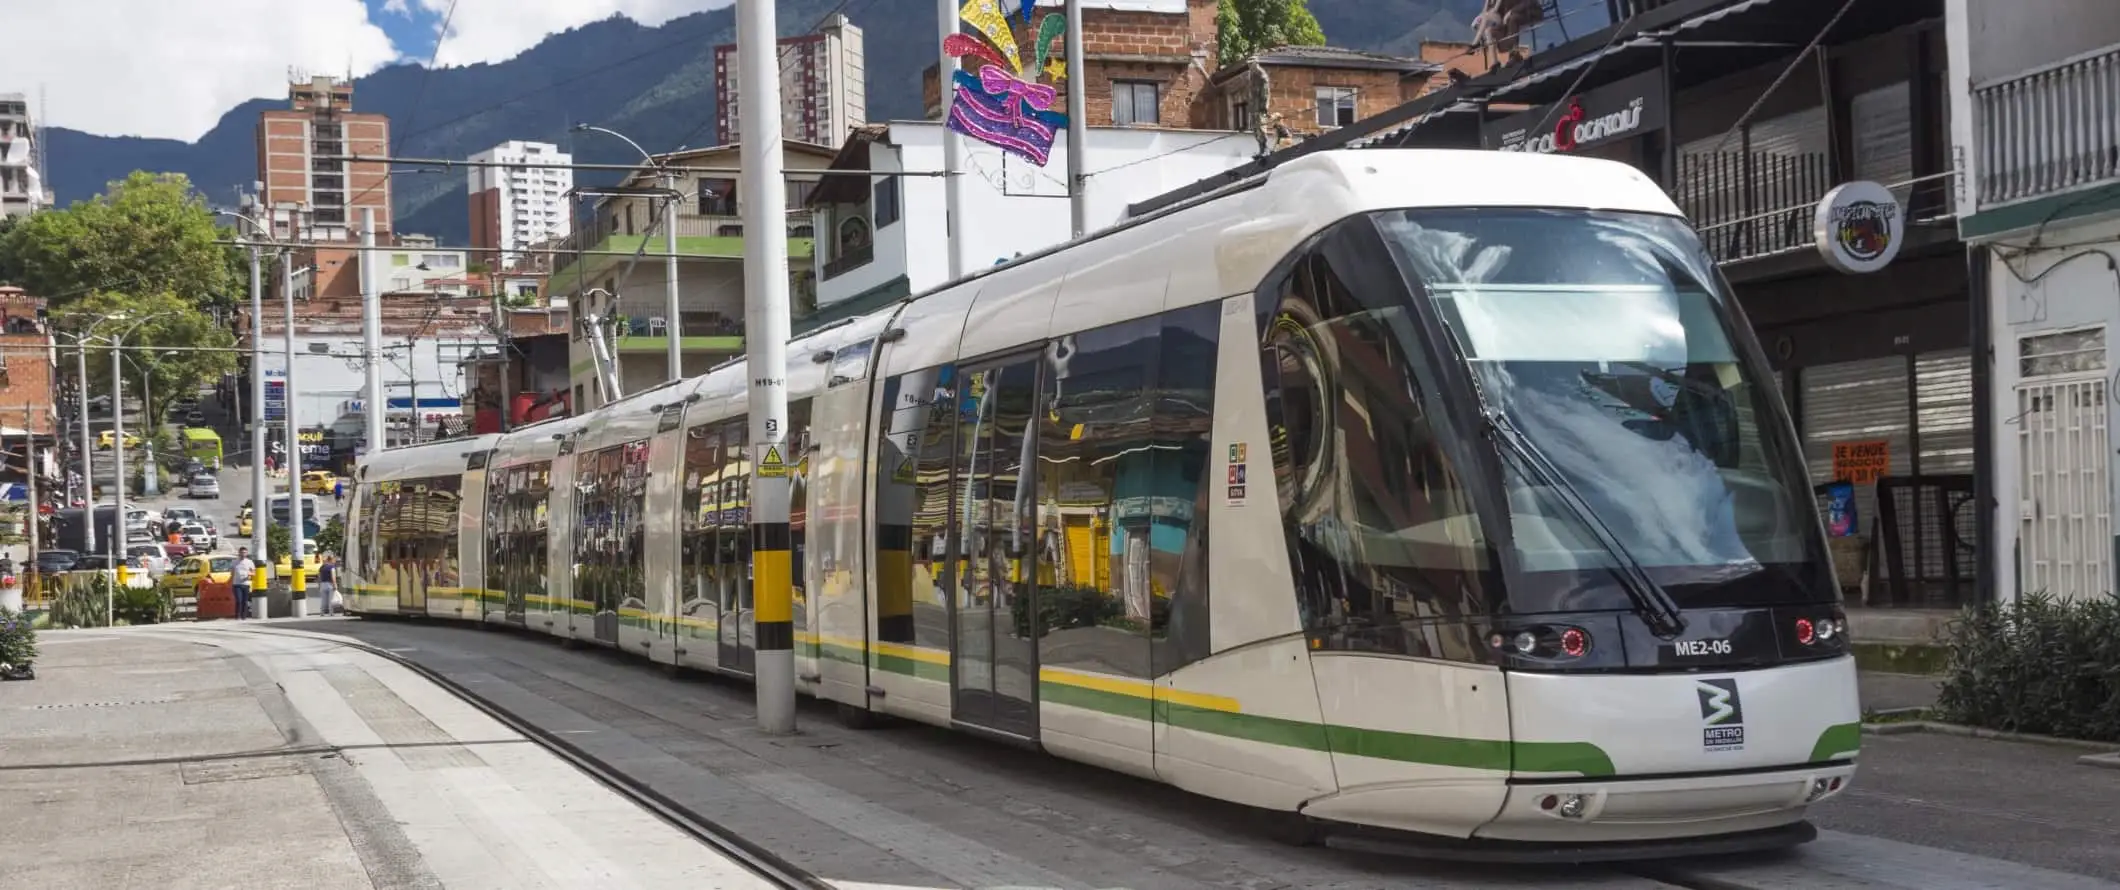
[18, 646]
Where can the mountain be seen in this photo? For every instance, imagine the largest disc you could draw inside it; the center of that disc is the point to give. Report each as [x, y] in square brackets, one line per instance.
[653, 84]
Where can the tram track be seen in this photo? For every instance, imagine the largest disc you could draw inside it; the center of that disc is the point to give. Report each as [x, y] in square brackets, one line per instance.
[758, 860]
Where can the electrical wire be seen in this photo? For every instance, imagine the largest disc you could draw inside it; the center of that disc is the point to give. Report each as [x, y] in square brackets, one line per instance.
[1742, 119]
[428, 75]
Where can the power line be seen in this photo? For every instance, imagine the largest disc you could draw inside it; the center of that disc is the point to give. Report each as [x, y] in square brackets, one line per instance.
[428, 76]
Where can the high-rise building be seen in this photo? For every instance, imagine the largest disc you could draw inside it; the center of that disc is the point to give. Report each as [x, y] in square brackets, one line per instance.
[823, 90]
[513, 208]
[22, 190]
[309, 196]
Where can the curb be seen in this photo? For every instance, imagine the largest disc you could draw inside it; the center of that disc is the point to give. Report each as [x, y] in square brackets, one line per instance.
[2108, 755]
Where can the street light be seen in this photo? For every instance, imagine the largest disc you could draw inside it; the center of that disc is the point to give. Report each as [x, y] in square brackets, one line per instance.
[667, 180]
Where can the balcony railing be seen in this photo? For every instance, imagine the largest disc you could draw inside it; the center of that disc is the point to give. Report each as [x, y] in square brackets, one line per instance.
[1751, 204]
[848, 261]
[2049, 129]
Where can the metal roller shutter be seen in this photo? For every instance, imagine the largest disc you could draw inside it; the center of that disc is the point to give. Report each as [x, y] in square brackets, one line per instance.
[1943, 392]
[1883, 126]
[1859, 401]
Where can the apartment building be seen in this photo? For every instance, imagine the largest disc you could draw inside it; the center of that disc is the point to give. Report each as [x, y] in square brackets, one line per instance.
[515, 208]
[823, 86]
[22, 189]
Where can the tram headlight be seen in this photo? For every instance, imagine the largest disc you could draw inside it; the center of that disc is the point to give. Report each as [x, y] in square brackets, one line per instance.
[1542, 642]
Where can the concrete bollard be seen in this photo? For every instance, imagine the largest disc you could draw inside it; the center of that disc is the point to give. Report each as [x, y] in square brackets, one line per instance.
[260, 596]
[299, 593]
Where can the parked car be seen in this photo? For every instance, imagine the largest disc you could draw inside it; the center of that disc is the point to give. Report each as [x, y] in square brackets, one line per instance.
[204, 485]
[56, 560]
[153, 557]
[194, 418]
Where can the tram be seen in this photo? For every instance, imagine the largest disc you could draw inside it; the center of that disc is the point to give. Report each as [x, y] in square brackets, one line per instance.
[1440, 498]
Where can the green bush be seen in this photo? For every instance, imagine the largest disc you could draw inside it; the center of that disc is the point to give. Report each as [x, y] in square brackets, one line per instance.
[18, 640]
[1060, 608]
[2039, 665]
[142, 605]
[81, 603]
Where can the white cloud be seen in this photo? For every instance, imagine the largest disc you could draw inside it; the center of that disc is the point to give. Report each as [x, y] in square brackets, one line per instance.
[496, 30]
[171, 68]
[397, 7]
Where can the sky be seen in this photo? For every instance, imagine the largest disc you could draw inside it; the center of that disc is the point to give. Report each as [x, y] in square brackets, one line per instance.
[171, 68]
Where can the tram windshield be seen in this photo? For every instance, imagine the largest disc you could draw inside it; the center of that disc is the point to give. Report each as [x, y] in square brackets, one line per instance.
[1607, 341]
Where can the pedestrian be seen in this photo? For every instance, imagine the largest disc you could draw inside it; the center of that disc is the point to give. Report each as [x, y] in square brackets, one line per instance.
[239, 579]
[338, 491]
[327, 584]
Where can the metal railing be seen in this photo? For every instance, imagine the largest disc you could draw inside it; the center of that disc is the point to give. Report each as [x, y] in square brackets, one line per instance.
[1752, 204]
[2050, 129]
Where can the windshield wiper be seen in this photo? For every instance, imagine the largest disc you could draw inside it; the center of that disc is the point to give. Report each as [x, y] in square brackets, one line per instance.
[1656, 606]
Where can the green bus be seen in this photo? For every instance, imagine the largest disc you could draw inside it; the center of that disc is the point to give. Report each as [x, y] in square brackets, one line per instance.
[203, 445]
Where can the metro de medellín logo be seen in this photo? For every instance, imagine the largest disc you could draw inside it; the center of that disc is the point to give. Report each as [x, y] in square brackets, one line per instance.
[1722, 715]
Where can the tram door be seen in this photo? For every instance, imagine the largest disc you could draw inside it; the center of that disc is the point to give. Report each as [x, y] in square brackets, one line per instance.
[738, 631]
[994, 665]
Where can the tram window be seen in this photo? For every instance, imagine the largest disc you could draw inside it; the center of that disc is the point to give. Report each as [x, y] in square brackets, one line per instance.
[1388, 554]
[1098, 561]
[797, 457]
[914, 504]
[1184, 426]
[702, 469]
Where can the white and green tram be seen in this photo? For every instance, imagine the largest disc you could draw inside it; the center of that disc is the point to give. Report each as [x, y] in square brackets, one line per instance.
[1442, 498]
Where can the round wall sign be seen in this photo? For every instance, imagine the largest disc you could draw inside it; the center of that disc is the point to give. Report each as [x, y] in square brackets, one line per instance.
[1858, 227]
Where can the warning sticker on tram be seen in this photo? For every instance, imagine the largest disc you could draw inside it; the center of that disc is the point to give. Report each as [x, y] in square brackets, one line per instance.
[1722, 715]
[770, 464]
[904, 474]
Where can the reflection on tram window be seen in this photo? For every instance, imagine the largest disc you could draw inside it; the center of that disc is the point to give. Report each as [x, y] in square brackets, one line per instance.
[914, 503]
[1606, 338]
[517, 531]
[1184, 426]
[609, 527]
[416, 536]
[797, 458]
[1387, 551]
[700, 600]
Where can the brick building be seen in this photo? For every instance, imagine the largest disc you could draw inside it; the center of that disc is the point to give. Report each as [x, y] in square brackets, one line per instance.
[310, 200]
[26, 351]
[1307, 89]
[1145, 63]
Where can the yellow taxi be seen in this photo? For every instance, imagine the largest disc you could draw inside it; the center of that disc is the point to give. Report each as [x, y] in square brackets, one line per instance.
[189, 574]
[243, 522]
[319, 481]
[285, 568]
[109, 438]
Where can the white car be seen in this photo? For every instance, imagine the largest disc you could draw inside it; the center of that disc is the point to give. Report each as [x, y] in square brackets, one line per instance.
[153, 557]
[198, 536]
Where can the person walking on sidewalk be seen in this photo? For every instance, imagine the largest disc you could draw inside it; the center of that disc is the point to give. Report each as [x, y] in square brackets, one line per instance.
[239, 579]
[327, 583]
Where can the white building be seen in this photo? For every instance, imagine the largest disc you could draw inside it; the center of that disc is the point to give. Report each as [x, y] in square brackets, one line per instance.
[882, 237]
[2036, 127]
[823, 86]
[513, 208]
[22, 189]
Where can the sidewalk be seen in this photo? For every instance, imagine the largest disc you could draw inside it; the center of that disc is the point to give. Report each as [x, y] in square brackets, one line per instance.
[169, 757]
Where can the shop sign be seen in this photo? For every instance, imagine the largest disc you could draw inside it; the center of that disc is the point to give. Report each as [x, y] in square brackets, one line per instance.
[1858, 227]
[1610, 113]
[1862, 463]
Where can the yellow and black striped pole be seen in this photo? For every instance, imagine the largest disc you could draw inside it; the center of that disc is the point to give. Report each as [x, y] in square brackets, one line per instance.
[765, 276]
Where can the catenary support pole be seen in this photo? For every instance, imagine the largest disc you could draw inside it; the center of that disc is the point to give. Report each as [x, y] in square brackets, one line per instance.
[116, 545]
[297, 604]
[88, 469]
[946, 16]
[671, 324]
[258, 491]
[765, 276]
[1077, 123]
[377, 402]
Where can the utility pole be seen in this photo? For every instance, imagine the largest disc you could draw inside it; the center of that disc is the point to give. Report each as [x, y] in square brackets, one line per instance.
[1077, 122]
[298, 605]
[88, 459]
[765, 274]
[671, 325]
[258, 514]
[372, 333]
[117, 472]
[29, 463]
[946, 17]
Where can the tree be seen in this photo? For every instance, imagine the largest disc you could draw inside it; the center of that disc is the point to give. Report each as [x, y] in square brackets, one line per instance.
[150, 233]
[1244, 27]
[164, 374]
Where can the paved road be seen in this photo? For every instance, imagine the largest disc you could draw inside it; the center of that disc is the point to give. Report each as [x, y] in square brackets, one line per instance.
[185, 757]
[922, 807]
